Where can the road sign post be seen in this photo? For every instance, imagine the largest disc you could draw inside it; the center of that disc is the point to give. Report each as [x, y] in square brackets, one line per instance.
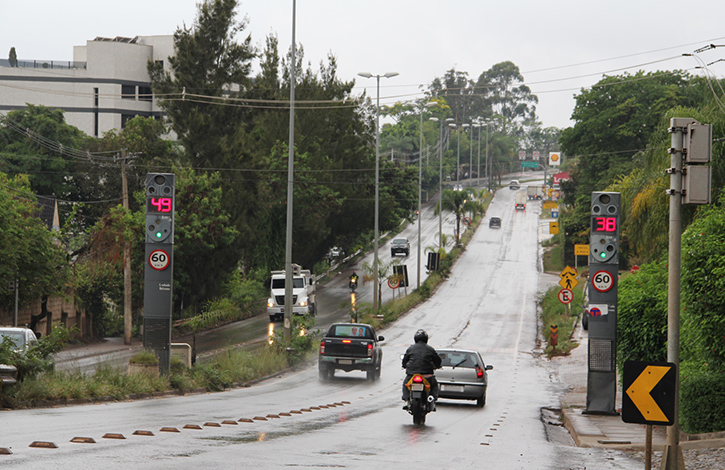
[603, 294]
[159, 266]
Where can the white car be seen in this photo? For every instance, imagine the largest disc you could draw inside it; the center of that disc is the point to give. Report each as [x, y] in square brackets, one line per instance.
[22, 337]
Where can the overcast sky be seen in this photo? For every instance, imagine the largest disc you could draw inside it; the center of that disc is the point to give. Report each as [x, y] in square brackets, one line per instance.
[560, 46]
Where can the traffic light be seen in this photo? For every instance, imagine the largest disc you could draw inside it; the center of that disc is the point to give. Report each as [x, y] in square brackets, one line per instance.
[160, 206]
[604, 233]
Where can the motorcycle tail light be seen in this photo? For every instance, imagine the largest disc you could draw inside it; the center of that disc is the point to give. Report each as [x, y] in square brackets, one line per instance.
[322, 347]
[479, 372]
[418, 379]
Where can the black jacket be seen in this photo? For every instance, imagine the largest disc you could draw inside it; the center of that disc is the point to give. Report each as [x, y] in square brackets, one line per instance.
[421, 359]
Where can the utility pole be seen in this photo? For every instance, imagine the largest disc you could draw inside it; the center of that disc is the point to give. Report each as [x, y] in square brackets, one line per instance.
[127, 312]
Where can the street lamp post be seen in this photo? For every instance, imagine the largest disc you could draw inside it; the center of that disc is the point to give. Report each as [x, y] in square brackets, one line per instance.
[377, 179]
[488, 168]
[478, 171]
[458, 158]
[420, 178]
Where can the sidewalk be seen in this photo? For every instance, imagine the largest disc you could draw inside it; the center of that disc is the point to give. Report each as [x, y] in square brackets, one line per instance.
[609, 431]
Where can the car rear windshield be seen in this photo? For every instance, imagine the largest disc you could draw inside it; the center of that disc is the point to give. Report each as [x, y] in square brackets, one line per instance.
[350, 331]
[400, 241]
[458, 359]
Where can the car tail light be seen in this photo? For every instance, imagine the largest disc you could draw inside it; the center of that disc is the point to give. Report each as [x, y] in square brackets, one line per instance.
[479, 372]
[370, 349]
[322, 347]
[346, 341]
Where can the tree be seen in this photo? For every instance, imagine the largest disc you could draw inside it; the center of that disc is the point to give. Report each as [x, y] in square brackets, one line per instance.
[32, 142]
[458, 202]
[208, 65]
[27, 247]
[615, 119]
[504, 92]
[13, 57]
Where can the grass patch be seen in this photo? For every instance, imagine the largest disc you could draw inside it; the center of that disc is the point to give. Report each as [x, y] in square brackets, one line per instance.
[556, 313]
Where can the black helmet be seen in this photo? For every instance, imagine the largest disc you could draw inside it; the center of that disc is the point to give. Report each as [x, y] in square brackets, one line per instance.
[421, 335]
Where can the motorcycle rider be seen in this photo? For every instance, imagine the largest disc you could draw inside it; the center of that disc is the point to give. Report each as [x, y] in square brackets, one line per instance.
[420, 358]
[353, 277]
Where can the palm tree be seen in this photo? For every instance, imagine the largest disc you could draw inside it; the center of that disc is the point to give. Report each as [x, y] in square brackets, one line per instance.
[458, 202]
[383, 269]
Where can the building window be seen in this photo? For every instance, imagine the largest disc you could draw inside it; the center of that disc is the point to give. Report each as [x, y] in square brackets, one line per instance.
[125, 118]
[95, 112]
[144, 93]
[128, 92]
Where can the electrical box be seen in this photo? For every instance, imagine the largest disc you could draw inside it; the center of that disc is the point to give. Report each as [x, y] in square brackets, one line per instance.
[696, 184]
[698, 142]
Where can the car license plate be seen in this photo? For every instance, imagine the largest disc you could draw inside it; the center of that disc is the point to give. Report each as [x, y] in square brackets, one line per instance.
[452, 388]
[344, 361]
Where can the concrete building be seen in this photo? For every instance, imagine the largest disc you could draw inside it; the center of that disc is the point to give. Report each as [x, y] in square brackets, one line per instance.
[105, 85]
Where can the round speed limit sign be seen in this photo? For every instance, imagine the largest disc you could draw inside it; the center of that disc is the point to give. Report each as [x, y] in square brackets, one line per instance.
[159, 260]
[602, 281]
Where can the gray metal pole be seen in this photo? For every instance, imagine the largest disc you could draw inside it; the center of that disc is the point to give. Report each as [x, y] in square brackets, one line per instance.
[440, 190]
[488, 167]
[672, 456]
[478, 172]
[377, 193]
[420, 186]
[288, 286]
[17, 289]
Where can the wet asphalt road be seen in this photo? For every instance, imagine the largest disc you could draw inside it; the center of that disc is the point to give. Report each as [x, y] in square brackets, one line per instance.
[297, 421]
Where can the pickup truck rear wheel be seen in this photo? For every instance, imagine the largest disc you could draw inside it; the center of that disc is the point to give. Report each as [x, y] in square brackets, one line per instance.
[326, 373]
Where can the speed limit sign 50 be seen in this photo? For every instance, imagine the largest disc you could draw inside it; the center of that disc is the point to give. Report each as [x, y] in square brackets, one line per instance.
[602, 281]
[159, 260]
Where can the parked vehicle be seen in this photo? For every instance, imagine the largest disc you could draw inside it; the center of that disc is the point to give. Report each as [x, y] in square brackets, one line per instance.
[22, 337]
[348, 347]
[462, 375]
[494, 222]
[303, 293]
[400, 245]
[521, 199]
[420, 401]
[514, 184]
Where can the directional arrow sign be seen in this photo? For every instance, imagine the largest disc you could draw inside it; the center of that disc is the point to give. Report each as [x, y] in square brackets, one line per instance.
[649, 396]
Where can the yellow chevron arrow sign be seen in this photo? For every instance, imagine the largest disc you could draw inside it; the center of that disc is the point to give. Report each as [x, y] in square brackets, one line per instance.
[654, 406]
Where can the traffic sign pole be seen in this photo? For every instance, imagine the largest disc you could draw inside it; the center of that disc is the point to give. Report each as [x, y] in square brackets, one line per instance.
[603, 294]
[159, 266]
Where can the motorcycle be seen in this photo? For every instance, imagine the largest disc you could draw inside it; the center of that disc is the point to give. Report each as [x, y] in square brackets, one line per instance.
[420, 401]
[353, 284]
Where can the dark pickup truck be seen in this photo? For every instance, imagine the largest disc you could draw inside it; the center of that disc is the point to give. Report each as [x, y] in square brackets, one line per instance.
[350, 346]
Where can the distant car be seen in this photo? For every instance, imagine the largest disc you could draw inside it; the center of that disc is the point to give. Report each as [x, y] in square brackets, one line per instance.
[494, 222]
[514, 184]
[22, 337]
[400, 245]
[458, 187]
[335, 252]
[462, 375]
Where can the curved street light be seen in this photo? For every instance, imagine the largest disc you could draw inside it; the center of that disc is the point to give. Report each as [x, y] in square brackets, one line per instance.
[377, 179]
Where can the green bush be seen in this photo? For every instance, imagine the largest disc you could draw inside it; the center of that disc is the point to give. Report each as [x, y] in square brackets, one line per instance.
[702, 398]
[642, 315]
